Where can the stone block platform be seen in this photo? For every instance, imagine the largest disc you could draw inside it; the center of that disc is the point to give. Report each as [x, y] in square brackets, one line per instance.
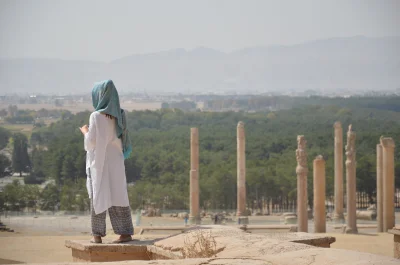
[232, 246]
[84, 251]
[396, 241]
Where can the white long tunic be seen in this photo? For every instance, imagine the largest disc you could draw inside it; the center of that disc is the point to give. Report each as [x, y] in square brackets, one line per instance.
[105, 160]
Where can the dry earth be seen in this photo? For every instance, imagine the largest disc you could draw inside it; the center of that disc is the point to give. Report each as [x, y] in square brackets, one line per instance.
[40, 246]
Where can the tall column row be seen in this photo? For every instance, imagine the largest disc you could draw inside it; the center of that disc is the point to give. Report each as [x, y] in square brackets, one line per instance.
[384, 181]
[194, 216]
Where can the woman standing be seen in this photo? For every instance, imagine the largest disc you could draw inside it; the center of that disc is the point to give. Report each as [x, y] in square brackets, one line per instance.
[107, 144]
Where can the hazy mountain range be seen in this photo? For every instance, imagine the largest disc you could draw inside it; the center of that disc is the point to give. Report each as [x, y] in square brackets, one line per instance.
[356, 63]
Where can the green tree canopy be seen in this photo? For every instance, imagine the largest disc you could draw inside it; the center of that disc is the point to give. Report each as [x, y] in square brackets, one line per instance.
[20, 157]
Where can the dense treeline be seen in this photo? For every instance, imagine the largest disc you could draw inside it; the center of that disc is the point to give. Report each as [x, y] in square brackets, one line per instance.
[160, 163]
[183, 105]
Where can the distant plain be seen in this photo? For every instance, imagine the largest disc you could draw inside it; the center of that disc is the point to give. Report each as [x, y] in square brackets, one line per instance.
[79, 107]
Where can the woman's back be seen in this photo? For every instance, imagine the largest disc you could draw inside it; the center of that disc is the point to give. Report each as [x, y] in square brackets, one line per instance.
[106, 162]
[107, 130]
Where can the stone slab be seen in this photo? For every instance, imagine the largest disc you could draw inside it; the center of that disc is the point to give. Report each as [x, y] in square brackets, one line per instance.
[394, 231]
[160, 253]
[234, 246]
[230, 234]
[396, 241]
[231, 242]
[85, 245]
[316, 240]
[86, 256]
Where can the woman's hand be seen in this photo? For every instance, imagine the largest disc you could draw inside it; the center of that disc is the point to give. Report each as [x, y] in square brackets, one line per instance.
[84, 129]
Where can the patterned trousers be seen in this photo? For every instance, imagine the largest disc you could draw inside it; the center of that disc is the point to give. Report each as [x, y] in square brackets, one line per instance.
[121, 219]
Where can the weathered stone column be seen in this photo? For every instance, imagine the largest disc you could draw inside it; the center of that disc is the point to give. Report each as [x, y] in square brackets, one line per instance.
[241, 174]
[319, 195]
[301, 171]
[351, 222]
[338, 149]
[379, 186]
[388, 183]
[194, 216]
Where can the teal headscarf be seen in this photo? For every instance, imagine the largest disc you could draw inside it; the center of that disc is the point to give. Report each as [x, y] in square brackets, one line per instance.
[106, 100]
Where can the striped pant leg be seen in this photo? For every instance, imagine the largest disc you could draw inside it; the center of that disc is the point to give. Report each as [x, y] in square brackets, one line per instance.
[121, 220]
[98, 221]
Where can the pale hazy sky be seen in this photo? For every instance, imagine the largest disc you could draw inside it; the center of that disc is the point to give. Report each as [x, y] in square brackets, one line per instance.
[101, 30]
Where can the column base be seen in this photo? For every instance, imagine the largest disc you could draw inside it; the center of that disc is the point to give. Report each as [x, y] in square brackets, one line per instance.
[338, 218]
[194, 220]
[243, 220]
[348, 230]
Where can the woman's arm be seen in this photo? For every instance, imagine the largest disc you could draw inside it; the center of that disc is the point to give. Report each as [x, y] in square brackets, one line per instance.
[90, 133]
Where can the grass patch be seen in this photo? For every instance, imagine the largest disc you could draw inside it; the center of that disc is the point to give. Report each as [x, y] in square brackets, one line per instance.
[26, 129]
[199, 244]
[19, 128]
